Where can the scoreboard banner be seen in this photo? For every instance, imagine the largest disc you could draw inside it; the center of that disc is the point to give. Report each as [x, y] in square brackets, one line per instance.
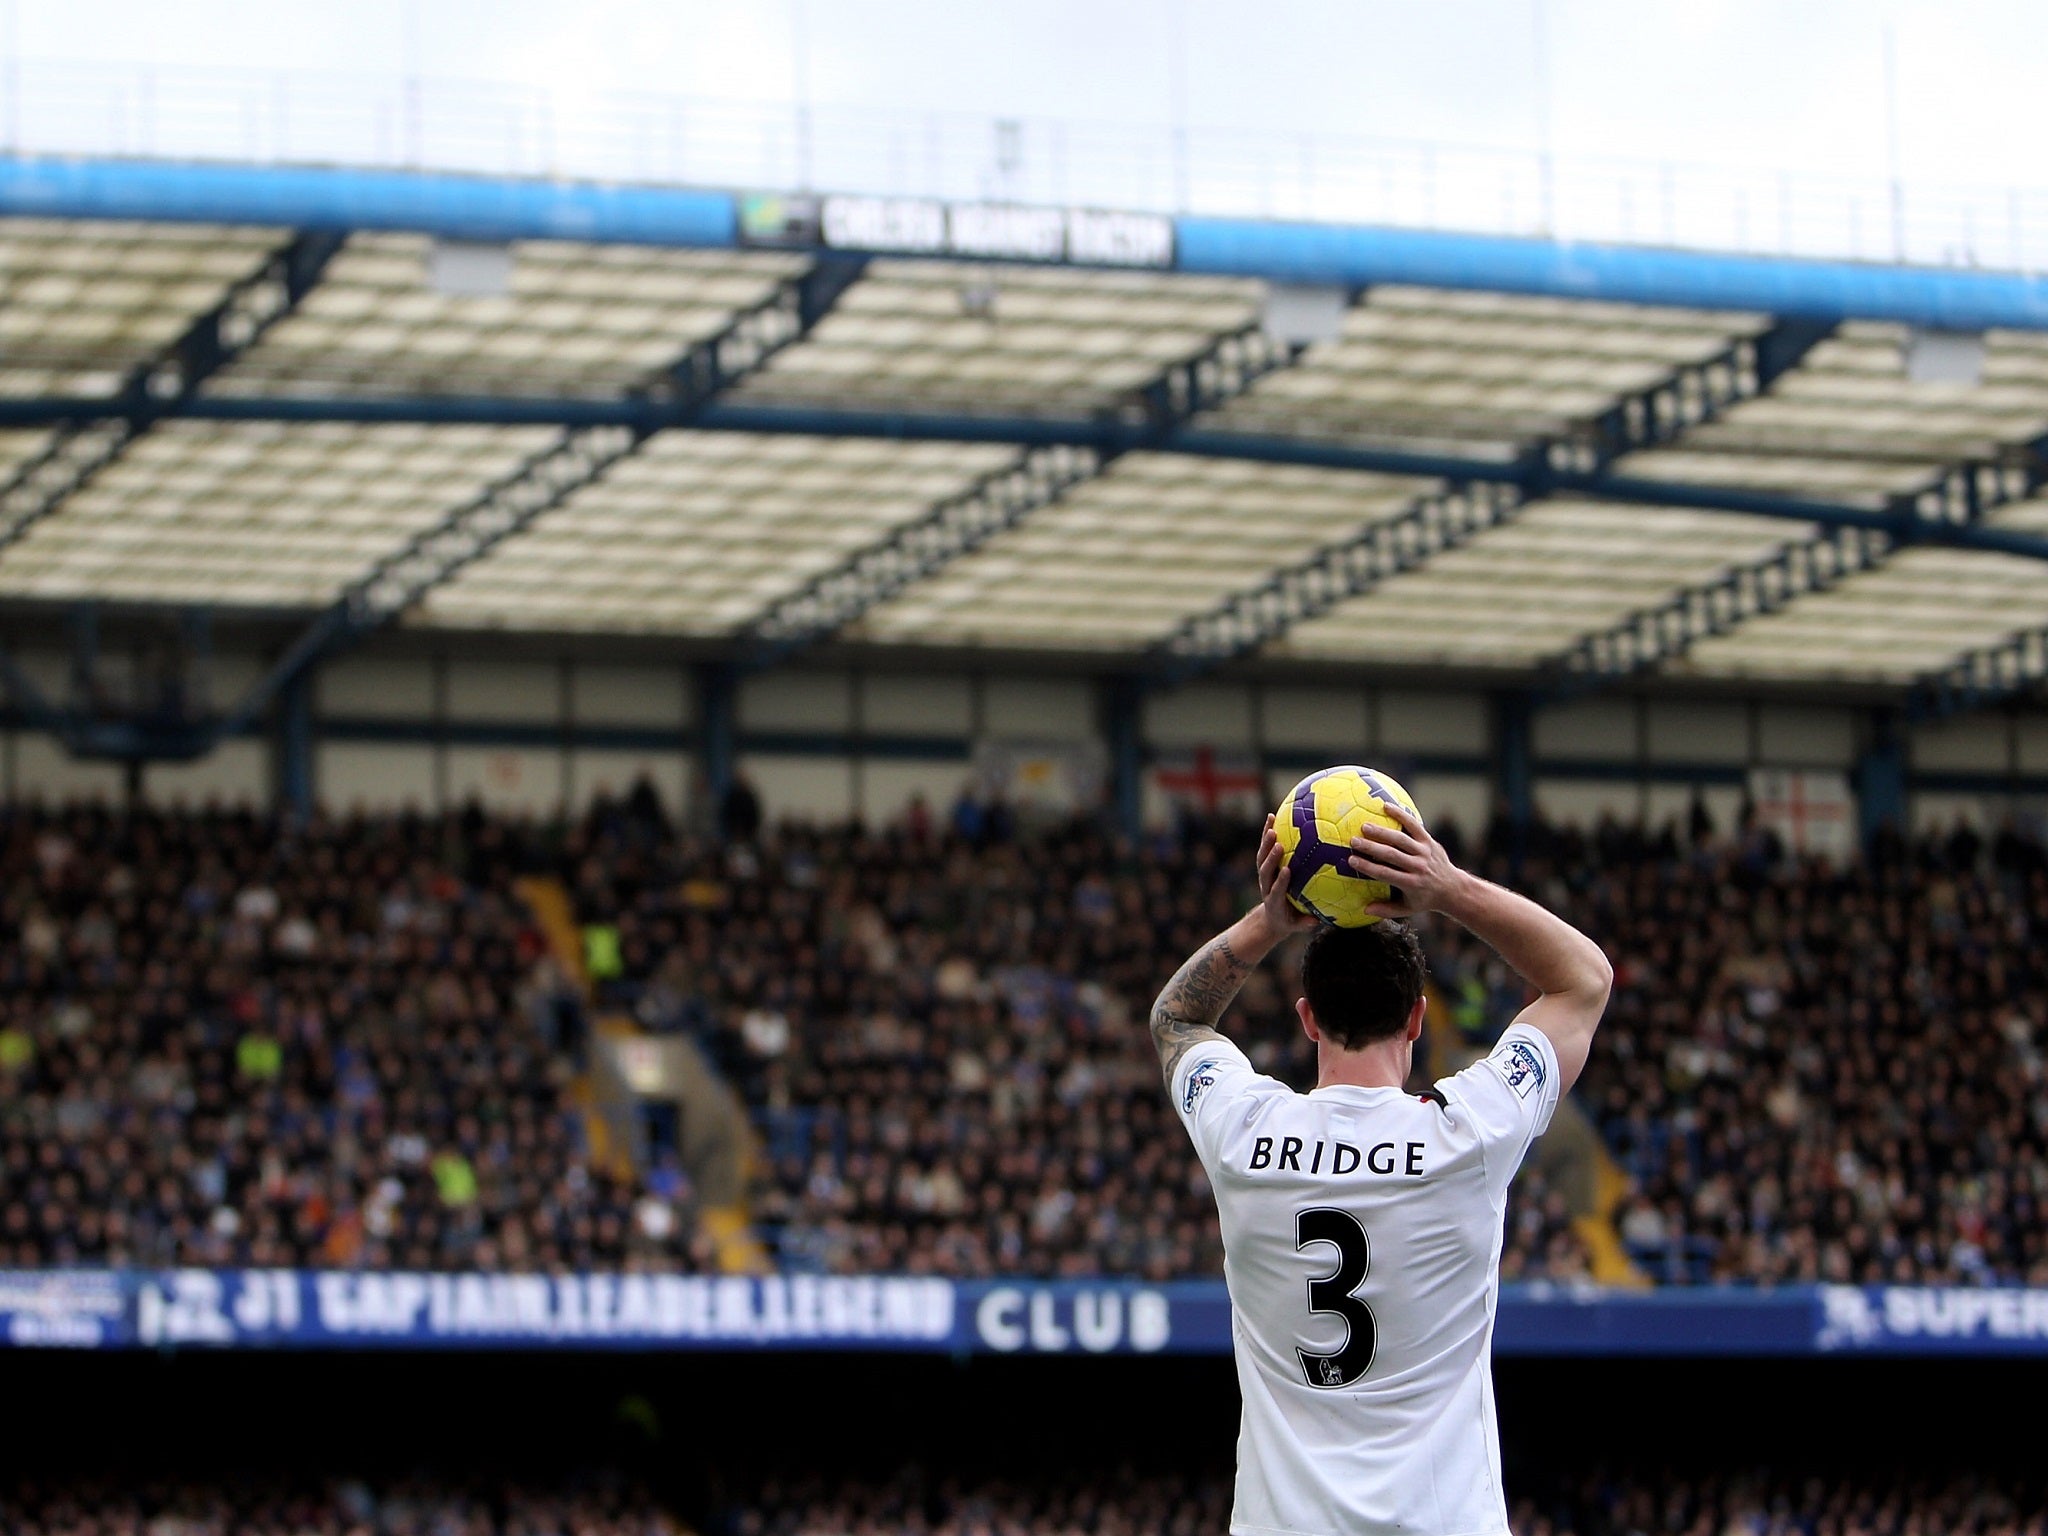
[206, 1308]
[924, 226]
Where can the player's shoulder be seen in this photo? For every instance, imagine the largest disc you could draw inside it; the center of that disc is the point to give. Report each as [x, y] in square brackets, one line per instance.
[1505, 1097]
[1522, 1061]
[1217, 1068]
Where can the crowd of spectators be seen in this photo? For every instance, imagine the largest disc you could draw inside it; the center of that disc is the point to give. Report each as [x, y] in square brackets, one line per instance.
[1759, 1502]
[1636, 1503]
[414, 1507]
[224, 1040]
[1819, 1073]
[1631, 1502]
[1808, 1072]
[229, 1040]
[945, 1035]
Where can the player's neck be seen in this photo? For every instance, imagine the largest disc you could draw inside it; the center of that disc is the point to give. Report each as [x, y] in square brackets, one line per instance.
[1383, 1064]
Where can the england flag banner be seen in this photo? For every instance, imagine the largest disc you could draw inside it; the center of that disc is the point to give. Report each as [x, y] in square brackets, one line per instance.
[1810, 812]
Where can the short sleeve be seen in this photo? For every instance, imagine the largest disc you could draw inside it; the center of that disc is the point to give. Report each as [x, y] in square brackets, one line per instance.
[1510, 1094]
[1211, 1075]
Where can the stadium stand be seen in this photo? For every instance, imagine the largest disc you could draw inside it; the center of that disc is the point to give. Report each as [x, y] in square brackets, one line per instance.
[916, 1502]
[1432, 369]
[1880, 625]
[1062, 578]
[88, 301]
[255, 514]
[1678, 403]
[589, 493]
[343, 1507]
[701, 531]
[957, 336]
[1765, 1125]
[232, 1042]
[574, 320]
[937, 456]
[1558, 569]
[1606, 1504]
[1820, 1074]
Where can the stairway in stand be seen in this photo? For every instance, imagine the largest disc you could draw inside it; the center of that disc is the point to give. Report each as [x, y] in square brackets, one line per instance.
[717, 1142]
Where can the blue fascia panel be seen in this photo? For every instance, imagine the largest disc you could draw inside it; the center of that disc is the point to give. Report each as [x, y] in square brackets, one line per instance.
[498, 208]
[1355, 256]
[437, 203]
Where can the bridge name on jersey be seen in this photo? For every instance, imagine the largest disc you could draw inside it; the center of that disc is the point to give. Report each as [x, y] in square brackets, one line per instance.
[1338, 1157]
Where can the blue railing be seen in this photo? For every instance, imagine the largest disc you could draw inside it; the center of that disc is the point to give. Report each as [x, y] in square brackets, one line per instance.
[493, 208]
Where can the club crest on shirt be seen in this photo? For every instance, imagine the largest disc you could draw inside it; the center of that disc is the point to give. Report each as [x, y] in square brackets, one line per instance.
[1201, 1075]
[1523, 1066]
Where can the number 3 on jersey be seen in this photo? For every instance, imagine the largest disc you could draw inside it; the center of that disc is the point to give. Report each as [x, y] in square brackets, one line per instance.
[1332, 1294]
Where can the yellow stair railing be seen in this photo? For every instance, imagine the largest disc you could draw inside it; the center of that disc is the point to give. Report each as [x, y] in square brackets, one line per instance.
[725, 1218]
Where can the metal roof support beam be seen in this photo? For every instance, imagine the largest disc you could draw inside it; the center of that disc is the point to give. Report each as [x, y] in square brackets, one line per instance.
[1105, 436]
[581, 456]
[1438, 521]
[837, 598]
[2013, 668]
[294, 747]
[1880, 779]
[747, 341]
[79, 450]
[1690, 394]
[958, 525]
[718, 717]
[1123, 706]
[1651, 637]
[1514, 756]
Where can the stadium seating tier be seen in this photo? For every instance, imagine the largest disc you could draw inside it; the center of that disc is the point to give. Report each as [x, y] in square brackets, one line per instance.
[261, 514]
[1121, 559]
[701, 533]
[962, 337]
[84, 303]
[574, 320]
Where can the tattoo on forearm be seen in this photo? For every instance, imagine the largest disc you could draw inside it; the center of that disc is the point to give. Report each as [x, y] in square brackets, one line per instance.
[1188, 1007]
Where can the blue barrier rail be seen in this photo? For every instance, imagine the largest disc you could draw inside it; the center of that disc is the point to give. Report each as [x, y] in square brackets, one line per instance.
[436, 203]
[1784, 286]
[501, 208]
[129, 1309]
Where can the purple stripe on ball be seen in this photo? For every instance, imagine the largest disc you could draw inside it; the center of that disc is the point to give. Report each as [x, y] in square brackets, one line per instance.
[1312, 854]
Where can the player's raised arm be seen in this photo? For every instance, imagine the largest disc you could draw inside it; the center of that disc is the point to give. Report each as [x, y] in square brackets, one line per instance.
[1546, 951]
[1187, 1008]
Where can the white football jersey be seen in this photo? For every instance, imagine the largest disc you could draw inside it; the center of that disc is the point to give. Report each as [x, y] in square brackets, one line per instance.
[1361, 1242]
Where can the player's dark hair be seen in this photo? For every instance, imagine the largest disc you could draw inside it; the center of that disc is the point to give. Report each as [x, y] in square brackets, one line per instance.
[1361, 983]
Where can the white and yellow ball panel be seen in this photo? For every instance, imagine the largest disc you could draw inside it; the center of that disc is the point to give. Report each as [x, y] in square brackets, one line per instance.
[1315, 825]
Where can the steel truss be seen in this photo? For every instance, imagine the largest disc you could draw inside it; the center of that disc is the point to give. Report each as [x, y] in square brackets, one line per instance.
[1444, 519]
[958, 525]
[1654, 636]
[1437, 521]
[78, 450]
[578, 458]
[2012, 668]
[834, 600]
[1691, 394]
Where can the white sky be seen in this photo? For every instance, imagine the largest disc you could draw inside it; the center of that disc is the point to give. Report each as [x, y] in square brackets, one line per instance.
[1782, 84]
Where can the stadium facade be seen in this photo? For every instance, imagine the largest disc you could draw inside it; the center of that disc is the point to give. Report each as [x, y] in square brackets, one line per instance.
[376, 488]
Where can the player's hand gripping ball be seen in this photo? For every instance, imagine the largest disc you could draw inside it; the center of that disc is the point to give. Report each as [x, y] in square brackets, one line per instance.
[1315, 825]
